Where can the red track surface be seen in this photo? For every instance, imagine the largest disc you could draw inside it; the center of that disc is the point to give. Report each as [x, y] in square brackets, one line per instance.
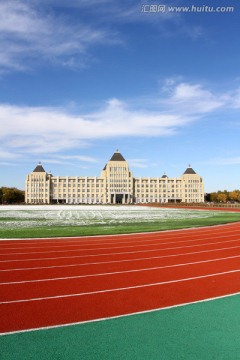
[48, 282]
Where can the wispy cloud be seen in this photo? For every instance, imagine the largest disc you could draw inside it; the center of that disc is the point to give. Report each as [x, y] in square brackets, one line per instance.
[4, 163]
[81, 158]
[225, 161]
[7, 155]
[48, 130]
[71, 162]
[192, 98]
[36, 32]
[29, 34]
[138, 163]
[123, 11]
[236, 99]
[53, 129]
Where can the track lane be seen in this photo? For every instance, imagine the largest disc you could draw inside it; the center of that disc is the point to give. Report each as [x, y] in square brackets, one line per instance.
[232, 243]
[106, 281]
[38, 314]
[73, 269]
[114, 258]
[180, 240]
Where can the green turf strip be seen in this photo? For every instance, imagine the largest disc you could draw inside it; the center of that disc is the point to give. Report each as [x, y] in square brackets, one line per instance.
[61, 231]
[208, 330]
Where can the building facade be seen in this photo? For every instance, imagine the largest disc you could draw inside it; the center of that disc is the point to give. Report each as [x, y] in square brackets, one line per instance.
[115, 185]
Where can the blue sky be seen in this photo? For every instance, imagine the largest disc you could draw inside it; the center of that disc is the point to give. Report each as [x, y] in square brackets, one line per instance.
[80, 79]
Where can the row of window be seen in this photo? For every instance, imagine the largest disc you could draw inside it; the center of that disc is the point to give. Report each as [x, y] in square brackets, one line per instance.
[74, 191]
[73, 186]
[194, 181]
[59, 179]
[118, 168]
[120, 181]
[160, 186]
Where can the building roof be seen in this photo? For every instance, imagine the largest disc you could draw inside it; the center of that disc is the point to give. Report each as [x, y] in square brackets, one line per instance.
[117, 156]
[39, 168]
[189, 170]
[164, 176]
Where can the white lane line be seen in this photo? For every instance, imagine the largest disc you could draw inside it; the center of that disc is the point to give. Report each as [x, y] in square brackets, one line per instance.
[120, 289]
[119, 261]
[119, 316]
[118, 272]
[112, 254]
[154, 243]
[132, 252]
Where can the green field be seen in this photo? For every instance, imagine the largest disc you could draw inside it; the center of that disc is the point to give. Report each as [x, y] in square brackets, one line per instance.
[24, 222]
[202, 331]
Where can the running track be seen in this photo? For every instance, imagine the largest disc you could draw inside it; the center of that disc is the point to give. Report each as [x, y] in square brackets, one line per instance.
[54, 282]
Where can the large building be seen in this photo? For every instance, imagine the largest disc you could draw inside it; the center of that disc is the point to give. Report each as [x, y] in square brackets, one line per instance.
[115, 185]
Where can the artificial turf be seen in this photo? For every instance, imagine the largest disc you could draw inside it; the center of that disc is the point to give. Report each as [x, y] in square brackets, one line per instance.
[206, 330]
[123, 228]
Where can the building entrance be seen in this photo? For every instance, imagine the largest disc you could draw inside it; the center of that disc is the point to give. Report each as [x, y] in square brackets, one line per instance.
[119, 199]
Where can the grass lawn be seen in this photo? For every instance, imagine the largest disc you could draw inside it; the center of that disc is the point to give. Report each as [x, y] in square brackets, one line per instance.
[23, 228]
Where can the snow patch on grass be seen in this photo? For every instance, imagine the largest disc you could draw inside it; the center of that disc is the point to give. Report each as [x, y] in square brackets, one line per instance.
[15, 217]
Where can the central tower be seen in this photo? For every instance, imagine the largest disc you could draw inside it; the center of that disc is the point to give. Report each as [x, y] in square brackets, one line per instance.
[119, 180]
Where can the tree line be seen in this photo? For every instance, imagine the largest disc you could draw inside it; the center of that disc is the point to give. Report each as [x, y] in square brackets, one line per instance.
[16, 196]
[224, 196]
[11, 195]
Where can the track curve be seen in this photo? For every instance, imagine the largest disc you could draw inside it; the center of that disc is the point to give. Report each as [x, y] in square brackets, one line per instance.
[54, 282]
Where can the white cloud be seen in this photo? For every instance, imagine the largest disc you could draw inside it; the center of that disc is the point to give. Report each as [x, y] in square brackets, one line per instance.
[39, 130]
[138, 163]
[236, 99]
[193, 98]
[8, 155]
[27, 33]
[8, 163]
[225, 161]
[32, 32]
[62, 162]
[52, 129]
[83, 158]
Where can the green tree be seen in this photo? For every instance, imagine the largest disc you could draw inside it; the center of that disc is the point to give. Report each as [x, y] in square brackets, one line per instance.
[11, 195]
